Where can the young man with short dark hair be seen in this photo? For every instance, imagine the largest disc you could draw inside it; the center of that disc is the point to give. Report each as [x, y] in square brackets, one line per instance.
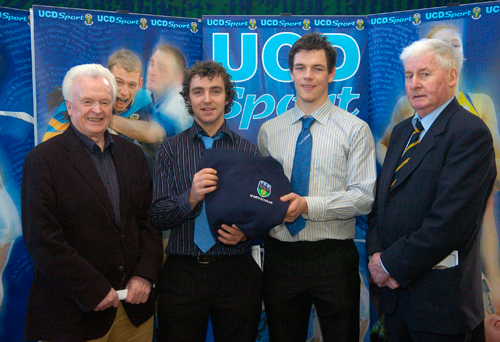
[328, 154]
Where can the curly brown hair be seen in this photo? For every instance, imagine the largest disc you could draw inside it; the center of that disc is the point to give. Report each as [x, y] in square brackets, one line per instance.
[208, 69]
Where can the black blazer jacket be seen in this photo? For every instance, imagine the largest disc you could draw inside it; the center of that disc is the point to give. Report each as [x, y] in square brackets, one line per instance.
[435, 207]
[78, 248]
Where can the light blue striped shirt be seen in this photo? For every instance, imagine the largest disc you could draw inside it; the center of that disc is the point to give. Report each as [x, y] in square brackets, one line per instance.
[429, 119]
[343, 171]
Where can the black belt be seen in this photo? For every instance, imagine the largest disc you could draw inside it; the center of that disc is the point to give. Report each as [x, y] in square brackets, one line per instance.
[208, 259]
[204, 259]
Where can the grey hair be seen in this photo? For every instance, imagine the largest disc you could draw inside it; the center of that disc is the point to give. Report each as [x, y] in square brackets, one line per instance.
[445, 56]
[90, 70]
[436, 28]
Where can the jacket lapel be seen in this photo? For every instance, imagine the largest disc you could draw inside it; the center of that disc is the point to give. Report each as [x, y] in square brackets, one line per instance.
[427, 143]
[393, 157]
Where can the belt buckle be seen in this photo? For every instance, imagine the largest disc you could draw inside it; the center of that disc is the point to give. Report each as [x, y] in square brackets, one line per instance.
[203, 259]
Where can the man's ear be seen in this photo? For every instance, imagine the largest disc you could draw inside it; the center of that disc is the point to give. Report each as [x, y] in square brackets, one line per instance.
[68, 106]
[452, 77]
[331, 75]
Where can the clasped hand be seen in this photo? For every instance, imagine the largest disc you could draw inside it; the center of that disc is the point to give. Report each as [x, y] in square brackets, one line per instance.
[379, 275]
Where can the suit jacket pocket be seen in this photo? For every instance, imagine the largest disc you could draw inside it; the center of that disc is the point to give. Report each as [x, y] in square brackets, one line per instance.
[438, 290]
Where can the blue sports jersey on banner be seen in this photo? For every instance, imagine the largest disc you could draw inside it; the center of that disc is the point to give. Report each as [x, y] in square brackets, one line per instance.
[16, 139]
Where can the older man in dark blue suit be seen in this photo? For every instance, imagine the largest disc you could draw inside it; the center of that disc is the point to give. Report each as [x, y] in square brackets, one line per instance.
[432, 192]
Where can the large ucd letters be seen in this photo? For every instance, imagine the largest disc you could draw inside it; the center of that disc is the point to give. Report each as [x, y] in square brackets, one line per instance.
[276, 68]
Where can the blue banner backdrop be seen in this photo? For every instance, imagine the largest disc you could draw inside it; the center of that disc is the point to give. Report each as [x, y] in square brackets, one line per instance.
[254, 49]
[16, 139]
[369, 83]
[65, 37]
[470, 27]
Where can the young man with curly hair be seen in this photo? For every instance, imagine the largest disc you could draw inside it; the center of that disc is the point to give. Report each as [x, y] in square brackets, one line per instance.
[202, 276]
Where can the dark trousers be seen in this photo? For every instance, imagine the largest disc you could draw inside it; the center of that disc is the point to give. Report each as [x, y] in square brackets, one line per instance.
[298, 274]
[228, 288]
[398, 331]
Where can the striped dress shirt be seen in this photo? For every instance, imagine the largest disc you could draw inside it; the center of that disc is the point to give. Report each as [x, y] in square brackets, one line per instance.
[105, 166]
[176, 163]
[343, 171]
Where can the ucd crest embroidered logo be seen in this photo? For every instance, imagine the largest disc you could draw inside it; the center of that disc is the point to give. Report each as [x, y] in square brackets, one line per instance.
[143, 23]
[360, 24]
[88, 19]
[416, 19]
[264, 189]
[193, 27]
[252, 24]
[306, 24]
[476, 13]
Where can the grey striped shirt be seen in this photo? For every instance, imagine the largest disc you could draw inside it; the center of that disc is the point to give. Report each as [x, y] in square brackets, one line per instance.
[105, 166]
[343, 170]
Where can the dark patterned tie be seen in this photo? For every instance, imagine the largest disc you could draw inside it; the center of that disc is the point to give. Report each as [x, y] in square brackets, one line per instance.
[202, 236]
[301, 170]
[405, 158]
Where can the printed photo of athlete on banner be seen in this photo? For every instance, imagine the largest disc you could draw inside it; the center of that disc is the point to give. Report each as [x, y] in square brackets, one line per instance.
[254, 49]
[469, 30]
[146, 54]
[16, 139]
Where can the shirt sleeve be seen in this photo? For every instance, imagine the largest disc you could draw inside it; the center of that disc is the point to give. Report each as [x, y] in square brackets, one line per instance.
[262, 141]
[170, 207]
[358, 194]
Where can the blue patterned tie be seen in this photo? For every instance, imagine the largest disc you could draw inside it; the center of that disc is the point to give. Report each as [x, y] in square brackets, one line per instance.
[202, 236]
[301, 170]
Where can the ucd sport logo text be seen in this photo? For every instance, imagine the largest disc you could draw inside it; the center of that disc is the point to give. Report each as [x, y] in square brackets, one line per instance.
[143, 23]
[264, 189]
[88, 19]
[416, 19]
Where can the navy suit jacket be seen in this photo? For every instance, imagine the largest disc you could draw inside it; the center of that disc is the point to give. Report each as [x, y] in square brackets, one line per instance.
[78, 248]
[435, 207]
